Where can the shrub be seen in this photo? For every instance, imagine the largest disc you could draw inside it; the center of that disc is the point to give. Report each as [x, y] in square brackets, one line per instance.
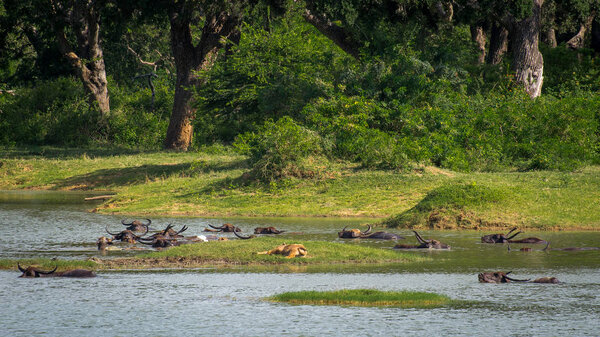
[281, 149]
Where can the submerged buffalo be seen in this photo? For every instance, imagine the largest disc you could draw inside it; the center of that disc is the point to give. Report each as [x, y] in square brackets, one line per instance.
[357, 234]
[126, 235]
[103, 242]
[227, 228]
[424, 244]
[137, 226]
[34, 272]
[267, 230]
[502, 277]
[170, 233]
[508, 238]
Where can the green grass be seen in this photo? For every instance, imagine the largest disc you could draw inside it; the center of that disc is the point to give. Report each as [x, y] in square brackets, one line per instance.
[319, 252]
[364, 298]
[212, 183]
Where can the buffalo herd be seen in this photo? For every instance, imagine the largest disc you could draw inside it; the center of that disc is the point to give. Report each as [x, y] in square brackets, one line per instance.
[137, 232]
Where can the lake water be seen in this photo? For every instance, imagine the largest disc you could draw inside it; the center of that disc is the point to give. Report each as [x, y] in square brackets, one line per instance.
[230, 302]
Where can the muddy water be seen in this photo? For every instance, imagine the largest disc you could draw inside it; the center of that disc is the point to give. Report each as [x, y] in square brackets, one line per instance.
[206, 302]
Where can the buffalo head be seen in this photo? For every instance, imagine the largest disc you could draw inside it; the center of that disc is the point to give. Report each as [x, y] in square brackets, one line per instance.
[267, 230]
[497, 277]
[353, 233]
[136, 225]
[228, 228]
[125, 235]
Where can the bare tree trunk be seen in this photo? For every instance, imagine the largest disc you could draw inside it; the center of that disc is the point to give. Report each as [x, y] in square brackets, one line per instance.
[528, 62]
[188, 60]
[478, 36]
[577, 41]
[498, 44]
[88, 59]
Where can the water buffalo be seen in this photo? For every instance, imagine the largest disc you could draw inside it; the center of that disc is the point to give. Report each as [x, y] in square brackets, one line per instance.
[290, 251]
[136, 225]
[103, 242]
[267, 230]
[424, 244]
[34, 272]
[356, 234]
[502, 277]
[170, 233]
[125, 235]
[508, 238]
[228, 228]
[499, 238]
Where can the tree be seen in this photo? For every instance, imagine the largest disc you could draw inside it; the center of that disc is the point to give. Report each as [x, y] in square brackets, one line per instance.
[219, 24]
[83, 19]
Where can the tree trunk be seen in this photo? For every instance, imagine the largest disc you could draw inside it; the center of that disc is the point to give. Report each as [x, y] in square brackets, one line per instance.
[188, 60]
[549, 38]
[498, 44]
[528, 62]
[88, 61]
[478, 36]
[577, 41]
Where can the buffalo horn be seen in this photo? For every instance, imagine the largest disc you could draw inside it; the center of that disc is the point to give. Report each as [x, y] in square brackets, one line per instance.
[110, 232]
[47, 272]
[368, 230]
[20, 268]
[215, 227]
[419, 238]
[514, 280]
[241, 236]
[183, 229]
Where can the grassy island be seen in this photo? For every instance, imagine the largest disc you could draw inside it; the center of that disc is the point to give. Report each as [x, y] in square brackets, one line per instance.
[364, 298]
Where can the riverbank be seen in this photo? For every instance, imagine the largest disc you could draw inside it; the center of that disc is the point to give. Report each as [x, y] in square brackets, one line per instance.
[213, 183]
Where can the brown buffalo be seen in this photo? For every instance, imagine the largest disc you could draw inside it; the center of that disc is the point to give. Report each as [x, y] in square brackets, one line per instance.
[170, 233]
[103, 242]
[267, 230]
[290, 251]
[502, 277]
[508, 238]
[34, 272]
[424, 244]
[227, 228]
[125, 235]
[137, 226]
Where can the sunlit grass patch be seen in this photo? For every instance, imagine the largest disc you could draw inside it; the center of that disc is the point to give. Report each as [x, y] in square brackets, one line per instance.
[319, 252]
[365, 298]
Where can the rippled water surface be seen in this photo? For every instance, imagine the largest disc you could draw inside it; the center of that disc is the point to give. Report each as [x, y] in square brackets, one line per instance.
[208, 302]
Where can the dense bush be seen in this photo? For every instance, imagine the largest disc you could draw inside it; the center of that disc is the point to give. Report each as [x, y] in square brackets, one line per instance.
[282, 149]
[52, 112]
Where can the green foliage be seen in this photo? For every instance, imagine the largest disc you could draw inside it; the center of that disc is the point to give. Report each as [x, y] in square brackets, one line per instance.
[270, 74]
[446, 206]
[281, 149]
[53, 112]
[347, 125]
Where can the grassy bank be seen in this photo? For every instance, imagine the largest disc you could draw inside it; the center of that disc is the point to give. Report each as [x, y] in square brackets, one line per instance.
[364, 298]
[212, 183]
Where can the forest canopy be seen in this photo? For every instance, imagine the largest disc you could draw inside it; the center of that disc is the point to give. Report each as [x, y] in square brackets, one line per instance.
[482, 85]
